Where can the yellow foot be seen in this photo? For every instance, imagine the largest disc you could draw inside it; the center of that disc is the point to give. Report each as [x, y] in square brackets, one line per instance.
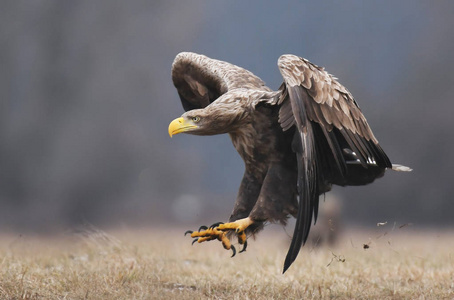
[218, 231]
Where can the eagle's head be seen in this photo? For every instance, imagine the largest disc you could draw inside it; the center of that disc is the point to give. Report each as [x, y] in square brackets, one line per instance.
[228, 113]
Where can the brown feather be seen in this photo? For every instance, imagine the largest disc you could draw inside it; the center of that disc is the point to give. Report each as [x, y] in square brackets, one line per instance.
[201, 80]
[286, 118]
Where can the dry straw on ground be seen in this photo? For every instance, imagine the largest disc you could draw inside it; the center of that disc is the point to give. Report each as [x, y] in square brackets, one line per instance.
[402, 264]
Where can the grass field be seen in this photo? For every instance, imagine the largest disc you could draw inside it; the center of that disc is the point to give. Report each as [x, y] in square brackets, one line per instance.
[142, 264]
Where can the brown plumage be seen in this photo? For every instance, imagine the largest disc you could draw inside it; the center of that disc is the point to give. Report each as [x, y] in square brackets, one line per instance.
[295, 142]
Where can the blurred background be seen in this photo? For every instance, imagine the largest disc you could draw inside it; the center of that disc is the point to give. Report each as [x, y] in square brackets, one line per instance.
[86, 98]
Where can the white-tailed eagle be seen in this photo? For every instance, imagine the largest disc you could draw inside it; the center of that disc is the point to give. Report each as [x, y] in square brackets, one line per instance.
[296, 142]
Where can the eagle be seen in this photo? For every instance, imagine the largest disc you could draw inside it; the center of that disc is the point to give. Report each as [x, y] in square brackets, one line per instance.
[295, 142]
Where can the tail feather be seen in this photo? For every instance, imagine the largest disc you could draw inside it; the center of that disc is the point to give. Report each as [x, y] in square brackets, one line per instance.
[401, 168]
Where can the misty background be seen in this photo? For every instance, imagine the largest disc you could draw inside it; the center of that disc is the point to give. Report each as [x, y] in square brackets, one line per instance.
[86, 98]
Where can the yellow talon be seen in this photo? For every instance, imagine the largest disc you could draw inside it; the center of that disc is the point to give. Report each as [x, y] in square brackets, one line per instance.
[238, 225]
[226, 242]
[204, 239]
[204, 233]
[220, 233]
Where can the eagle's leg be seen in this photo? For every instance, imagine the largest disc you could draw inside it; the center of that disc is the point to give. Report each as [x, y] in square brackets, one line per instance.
[239, 226]
[220, 233]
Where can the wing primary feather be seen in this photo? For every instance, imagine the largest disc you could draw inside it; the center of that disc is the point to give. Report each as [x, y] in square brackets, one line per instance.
[353, 146]
[380, 156]
[304, 147]
[297, 101]
[367, 146]
[336, 150]
[307, 190]
[356, 139]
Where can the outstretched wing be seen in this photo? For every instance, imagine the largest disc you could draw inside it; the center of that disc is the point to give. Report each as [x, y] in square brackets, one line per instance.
[200, 80]
[313, 98]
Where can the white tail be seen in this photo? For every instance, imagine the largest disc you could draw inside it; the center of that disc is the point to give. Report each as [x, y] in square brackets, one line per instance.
[401, 168]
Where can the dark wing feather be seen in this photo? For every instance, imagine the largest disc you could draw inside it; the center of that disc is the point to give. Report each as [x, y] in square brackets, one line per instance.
[200, 80]
[317, 99]
[304, 147]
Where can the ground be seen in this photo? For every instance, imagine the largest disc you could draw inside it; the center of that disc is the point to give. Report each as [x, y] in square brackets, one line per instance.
[386, 262]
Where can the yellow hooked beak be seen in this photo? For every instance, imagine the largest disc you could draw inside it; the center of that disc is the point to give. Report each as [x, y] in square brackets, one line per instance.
[180, 125]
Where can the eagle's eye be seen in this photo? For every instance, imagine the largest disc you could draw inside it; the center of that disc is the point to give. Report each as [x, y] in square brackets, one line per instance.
[195, 119]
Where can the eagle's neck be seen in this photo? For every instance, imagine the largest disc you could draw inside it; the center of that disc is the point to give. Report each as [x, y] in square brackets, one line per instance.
[245, 142]
[242, 141]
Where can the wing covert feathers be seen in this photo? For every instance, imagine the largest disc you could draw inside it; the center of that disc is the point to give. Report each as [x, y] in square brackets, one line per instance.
[200, 80]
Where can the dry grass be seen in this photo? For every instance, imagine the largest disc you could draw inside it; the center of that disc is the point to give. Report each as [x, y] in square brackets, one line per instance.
[402, 264]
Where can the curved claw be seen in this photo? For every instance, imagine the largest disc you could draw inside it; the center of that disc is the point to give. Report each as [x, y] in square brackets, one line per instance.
[216, 224]
[195, 240]
[189, 231]
[233, 250]
[244, 247]
[203, 228]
